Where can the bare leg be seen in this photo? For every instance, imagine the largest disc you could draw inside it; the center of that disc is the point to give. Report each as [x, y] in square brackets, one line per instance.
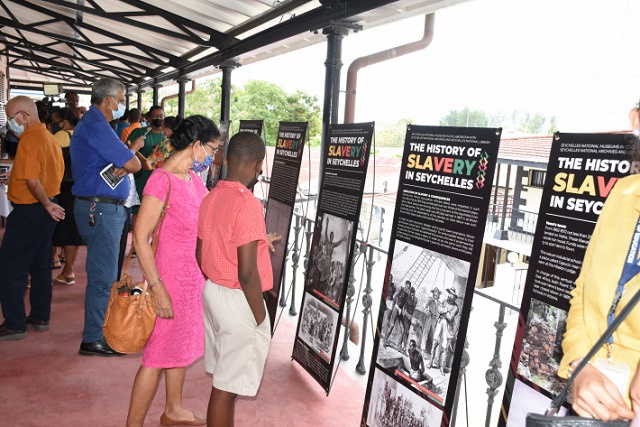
[174, 380]
[144, 389]
[221, 408]
[70, 253]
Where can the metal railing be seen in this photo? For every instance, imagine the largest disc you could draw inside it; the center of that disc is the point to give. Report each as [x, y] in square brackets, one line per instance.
[520, 224]
[368, 258]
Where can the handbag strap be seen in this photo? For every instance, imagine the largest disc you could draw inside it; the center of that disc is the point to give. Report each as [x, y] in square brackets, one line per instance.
[156, 231]
[557, 402]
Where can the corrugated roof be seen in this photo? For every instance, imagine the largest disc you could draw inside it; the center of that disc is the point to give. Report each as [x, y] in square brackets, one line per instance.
[142, 42]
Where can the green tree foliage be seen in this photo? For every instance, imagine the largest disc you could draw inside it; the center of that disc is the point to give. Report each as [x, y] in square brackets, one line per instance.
[518, 122]
[262, 100]
[392, 135]
[257, 100]
[465, 117]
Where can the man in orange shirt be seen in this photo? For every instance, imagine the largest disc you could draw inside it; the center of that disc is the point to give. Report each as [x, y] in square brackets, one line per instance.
[26, 247]
[134, 123]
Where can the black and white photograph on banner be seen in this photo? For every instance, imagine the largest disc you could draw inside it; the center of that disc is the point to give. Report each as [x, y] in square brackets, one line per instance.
[392, 405]
[277, 221]
[330, 252]
[420, 324]
[318, 326]
[541, 348]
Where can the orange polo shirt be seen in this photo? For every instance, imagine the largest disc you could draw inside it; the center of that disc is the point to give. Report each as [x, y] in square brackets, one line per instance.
[39, 156]
[127, 131]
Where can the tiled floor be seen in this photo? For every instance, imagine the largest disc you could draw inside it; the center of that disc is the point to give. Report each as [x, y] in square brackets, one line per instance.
[45, 382]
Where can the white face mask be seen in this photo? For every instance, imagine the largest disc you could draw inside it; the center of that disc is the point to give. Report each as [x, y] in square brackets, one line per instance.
[15, 127]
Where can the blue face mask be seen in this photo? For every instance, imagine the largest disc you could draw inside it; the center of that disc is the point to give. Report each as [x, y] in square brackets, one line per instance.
[201, 167]
[119, 112]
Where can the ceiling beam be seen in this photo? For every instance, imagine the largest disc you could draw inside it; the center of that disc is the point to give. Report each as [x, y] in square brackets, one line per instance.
[215, 38]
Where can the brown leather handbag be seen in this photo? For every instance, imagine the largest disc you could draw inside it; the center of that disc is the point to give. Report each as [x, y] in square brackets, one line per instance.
[131, 311]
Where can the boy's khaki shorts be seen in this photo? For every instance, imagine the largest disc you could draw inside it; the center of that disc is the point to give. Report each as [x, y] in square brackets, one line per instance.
[235, 347]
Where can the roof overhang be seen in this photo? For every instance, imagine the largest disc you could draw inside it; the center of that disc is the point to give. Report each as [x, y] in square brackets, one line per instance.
[144, 42]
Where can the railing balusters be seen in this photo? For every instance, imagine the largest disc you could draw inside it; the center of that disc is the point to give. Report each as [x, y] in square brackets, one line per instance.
[366, 302]
[351, 290]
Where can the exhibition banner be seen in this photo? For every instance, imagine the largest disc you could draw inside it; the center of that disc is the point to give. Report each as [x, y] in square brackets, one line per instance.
[282, 198]
[334, 236]
[436, 239]
[254, 126]
[217, 171]
[582, 170]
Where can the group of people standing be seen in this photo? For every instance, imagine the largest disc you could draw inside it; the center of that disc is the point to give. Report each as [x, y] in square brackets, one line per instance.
[212, 262]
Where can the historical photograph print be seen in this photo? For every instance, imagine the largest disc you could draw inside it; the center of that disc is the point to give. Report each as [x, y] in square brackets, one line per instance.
[394, 405]
[329, 254]
[318, 326]
[420, 323]
[541, 348]
[277, 221]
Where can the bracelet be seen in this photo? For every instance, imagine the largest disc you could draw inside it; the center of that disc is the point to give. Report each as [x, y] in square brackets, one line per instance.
[154, 282]
[573, 365]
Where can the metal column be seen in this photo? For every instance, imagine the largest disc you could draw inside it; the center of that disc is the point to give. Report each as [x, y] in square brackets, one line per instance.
[140, 92]
[182, 82]
[156, 93]
[333, 64]
[225, 96]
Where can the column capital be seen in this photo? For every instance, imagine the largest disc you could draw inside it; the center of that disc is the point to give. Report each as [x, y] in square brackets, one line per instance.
[229, 63]
[183, 79]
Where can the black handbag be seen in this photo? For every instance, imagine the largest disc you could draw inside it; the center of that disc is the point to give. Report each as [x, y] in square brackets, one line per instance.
[549, 419]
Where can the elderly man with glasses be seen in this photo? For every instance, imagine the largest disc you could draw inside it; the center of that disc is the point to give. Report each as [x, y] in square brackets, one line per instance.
[26, 247]
[100, 196]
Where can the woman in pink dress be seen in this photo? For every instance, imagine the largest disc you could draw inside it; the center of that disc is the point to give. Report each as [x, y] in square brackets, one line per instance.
[174, 278]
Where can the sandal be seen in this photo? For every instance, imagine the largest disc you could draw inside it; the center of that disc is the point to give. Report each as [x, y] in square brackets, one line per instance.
[60, 278]
[56, 265]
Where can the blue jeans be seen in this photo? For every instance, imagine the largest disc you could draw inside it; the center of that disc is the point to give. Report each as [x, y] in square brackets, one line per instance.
[26, 248]
[103, 245]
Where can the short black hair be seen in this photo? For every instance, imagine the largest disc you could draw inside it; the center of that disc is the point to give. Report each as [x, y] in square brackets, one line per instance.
[192, 129]
[67, 114]
[246, 147]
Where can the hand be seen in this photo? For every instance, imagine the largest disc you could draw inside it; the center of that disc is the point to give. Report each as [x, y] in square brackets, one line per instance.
[164, 308]
[120, 172]
[271, 238]
[56, 211]
[4, 177]
[595, 396]
[137, 143]
[634, 392]
[261, 315]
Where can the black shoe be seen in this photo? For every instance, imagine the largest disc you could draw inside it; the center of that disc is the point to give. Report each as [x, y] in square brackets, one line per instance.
[7, 334]
[98, 348]
[38, 325]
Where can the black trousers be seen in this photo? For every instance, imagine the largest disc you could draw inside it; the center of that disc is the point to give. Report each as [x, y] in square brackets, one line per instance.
[26, 250]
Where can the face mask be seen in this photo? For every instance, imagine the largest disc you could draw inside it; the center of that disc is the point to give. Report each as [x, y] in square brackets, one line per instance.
[55, 128]
[15, 127]
[254, 181]
[157, 123]
[119, 112]
[201, 167]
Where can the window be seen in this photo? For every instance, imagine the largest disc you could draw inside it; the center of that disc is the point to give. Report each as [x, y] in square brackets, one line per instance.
[536, 178]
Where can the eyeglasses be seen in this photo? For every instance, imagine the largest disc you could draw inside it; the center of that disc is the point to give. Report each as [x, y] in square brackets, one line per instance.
[16, 115]
[215, 149]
